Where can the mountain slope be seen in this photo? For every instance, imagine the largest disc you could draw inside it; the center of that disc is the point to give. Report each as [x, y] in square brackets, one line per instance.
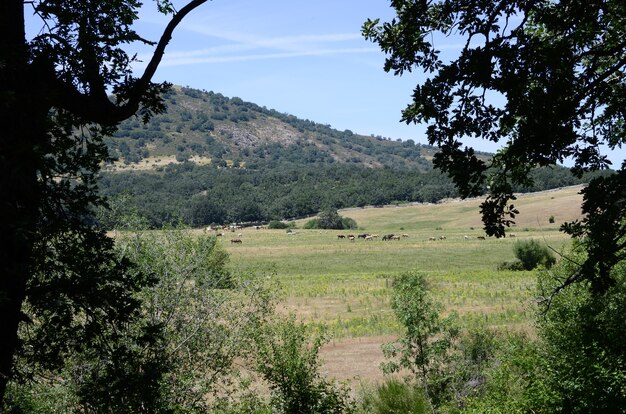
[206, 127]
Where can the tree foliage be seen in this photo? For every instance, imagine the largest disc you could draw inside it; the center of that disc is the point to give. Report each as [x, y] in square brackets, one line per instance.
[208, 315]
[55, 108]
[545, 79]
[585, 357]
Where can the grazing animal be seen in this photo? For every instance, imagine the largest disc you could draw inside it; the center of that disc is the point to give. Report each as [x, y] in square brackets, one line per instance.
[235, 241]
[375, 236]
[240, 234]
[219, 234]
[466, 237]
[512, 235]
[341, 236]
[431, 239]
[481, 237]
[351, 237]
[395, 237]
[405, 235]
[442, 237]
[387, 236]
[369, 238]
[362, 236]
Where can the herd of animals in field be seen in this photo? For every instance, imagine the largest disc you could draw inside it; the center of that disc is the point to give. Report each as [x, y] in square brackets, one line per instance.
[367, 236]
[220, 231]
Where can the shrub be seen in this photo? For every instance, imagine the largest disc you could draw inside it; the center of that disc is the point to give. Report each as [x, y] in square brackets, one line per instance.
[551, 219]
[583, 335]
[287, 358]
[277, 224]
[425, 346]
[393, 397]
[532, 254]
[348, 223]
[514, 381]
[311, 224]
[513, 265]
[330, 219]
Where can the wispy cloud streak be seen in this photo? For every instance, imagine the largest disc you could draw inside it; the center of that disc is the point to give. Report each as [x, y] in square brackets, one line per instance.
[239, 46]
[195, 58]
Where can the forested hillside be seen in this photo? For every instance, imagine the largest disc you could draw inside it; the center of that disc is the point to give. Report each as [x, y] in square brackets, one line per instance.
[209, 127]
[211, 159]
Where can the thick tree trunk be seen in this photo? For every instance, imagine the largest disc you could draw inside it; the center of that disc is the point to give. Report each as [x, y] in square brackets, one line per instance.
[20, 129]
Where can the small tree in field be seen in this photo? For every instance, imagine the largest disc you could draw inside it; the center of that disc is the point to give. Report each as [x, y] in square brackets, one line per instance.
[423, 348]
[287, 358]
[330, 219]
[531, 254]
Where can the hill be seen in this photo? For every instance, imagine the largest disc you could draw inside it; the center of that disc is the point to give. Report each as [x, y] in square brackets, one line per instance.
[213, 159]
[207, 127]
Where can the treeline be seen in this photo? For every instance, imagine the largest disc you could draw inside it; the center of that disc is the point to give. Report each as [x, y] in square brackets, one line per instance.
[201, 195]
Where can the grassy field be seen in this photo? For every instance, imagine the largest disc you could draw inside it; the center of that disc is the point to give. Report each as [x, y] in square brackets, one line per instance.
[345, 285]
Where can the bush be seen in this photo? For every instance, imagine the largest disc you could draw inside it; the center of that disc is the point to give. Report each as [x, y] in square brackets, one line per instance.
[393, 397]
[348, 223]
[277, 224]
[531, 254]
[514, 381]
[311, 224]
[583, 334]
[424, 347]
[513, 265]
[287, 358]
[330, 219]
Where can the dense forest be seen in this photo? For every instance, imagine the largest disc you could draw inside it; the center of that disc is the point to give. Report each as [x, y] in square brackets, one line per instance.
[233, 161]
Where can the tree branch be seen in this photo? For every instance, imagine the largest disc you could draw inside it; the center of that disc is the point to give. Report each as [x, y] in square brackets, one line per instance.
[100, 109]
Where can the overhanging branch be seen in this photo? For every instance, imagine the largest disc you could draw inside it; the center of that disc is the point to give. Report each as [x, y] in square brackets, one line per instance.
[99, 109]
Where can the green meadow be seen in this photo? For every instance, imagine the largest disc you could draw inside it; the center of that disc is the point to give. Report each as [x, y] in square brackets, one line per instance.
[344, 284]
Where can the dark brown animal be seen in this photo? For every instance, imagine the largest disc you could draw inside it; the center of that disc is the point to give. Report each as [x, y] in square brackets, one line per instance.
[481, 237]
[388, 237]
[235, 240]
[341, 236]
